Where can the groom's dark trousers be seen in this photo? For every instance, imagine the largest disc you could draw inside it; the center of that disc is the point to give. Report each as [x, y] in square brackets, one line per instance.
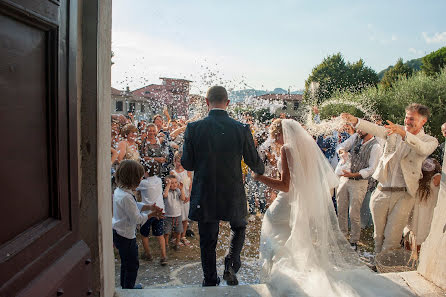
[208, 242]
[213, 148]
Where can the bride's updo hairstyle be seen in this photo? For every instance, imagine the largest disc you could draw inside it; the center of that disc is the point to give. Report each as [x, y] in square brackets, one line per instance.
[276, 128]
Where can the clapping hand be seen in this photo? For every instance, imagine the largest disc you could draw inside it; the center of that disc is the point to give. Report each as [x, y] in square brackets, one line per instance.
[157, 211]
[393, 128]
[347, 173]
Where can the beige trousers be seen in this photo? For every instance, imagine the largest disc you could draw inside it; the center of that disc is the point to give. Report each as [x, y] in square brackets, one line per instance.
[349, 198]
[390, 213]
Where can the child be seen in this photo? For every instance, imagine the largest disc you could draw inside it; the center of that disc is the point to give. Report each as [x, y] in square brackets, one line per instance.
[425, 202]
[184, 178]
[173, 197]
[151, 190]
[126, 215]
[344, 163]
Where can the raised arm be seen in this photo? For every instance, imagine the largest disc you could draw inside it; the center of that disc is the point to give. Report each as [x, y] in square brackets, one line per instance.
[282, 184]
[114, 155]
[177, 132]
[166, 190]
[121, 150]
[365, 126]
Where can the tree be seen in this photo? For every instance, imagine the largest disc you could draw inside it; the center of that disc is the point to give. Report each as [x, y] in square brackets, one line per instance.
[414, 64]
[434, 62]
[395, 73]
[334, 74]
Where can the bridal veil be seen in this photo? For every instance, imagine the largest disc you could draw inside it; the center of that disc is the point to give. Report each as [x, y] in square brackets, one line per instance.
[316, 259]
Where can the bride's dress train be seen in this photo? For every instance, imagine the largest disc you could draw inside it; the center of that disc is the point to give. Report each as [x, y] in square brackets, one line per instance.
[302, 250]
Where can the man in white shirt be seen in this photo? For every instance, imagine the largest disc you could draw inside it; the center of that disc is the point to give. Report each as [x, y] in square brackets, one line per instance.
[398, 172]
[365, 152]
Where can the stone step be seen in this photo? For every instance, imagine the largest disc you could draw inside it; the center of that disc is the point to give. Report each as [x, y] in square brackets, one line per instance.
[220, 291]
[410, 280]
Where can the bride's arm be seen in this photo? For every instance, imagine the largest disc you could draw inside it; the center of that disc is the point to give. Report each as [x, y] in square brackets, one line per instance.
[283, 183]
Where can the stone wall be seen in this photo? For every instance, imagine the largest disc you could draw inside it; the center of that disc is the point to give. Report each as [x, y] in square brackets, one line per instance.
[94, 133]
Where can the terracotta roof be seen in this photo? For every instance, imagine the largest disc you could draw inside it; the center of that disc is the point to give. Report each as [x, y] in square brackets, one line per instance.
[178, 79]
[117, 92]
[282, 97]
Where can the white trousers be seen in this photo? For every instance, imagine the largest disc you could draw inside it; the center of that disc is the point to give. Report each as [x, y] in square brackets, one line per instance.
[349, 198]
[390, 213]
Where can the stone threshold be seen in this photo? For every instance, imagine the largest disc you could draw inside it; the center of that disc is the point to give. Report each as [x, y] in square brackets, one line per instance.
[412, 281]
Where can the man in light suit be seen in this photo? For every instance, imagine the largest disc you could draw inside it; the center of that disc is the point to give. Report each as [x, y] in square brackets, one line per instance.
[398, 172]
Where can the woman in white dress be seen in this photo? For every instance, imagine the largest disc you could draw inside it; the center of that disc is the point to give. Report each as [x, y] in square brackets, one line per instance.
[426, 200]
[302, 250]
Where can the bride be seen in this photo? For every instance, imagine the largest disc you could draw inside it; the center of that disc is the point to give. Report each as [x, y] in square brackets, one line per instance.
[302, 251]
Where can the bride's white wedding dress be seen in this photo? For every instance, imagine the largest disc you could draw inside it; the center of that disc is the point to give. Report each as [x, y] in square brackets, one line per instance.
[302, 250]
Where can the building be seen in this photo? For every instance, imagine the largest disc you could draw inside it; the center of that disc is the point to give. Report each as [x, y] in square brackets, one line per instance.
[173, 93]
[291, 103]
[149, 100]
[124, 102]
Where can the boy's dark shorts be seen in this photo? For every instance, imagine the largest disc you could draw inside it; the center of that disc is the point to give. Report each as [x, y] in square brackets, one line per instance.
[157, 227]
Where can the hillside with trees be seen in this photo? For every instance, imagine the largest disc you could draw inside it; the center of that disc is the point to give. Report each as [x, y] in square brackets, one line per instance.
[334, 74]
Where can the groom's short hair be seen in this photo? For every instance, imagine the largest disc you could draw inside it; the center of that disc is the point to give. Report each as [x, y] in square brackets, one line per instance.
[217, 94]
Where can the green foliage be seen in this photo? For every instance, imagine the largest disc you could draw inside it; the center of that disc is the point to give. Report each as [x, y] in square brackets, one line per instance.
[434, 62]
[395, 73]
[414, 64]
[390, 103]
[335, 74]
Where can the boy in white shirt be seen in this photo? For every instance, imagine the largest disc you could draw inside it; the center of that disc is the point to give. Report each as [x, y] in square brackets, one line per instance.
[151, 191]
[126, 215]
[173, 198]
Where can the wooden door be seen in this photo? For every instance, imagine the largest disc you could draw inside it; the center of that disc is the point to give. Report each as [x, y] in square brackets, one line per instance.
[40, 250]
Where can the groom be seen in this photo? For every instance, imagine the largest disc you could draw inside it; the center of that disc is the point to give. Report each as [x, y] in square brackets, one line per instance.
[213, 149]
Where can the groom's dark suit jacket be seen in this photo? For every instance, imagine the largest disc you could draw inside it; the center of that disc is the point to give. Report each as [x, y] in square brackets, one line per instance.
[213, 149]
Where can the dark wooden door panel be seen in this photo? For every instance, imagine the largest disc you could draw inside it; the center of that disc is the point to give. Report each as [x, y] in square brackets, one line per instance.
[38, 122]
[24, 126]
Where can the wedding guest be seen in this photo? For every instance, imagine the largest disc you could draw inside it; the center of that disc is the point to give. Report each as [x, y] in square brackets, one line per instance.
[127, 214]
[173, 197]
[365, 152]
[151, 191]
[164, 136]
[119, 118]
[398, 172]
[184, 178]
[142, 130]
[127, 148]
[425, 201]
[440, 150]
[151, 150]
[115, 139]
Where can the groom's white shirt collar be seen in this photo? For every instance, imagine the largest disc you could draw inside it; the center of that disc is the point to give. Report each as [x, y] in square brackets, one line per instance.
[215, 108]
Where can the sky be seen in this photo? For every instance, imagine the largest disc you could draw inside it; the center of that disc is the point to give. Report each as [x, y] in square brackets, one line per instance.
[264, 44]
